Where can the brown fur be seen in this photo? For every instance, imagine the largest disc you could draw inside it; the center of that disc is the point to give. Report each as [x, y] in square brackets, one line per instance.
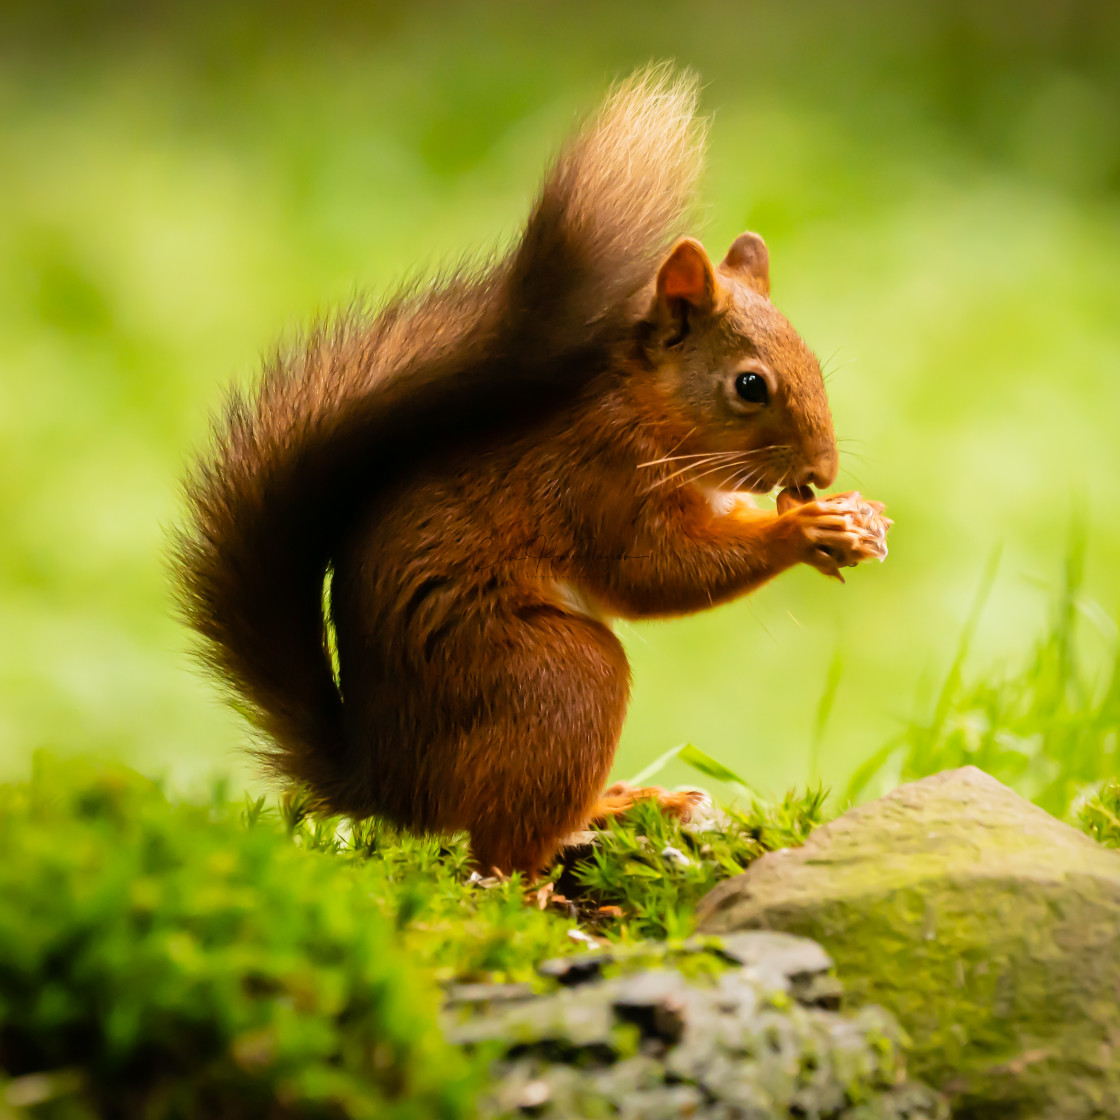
[492, 467]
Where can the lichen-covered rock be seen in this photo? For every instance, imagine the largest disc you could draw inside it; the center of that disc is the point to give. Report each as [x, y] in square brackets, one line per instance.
[989, 928]
[652, 1043]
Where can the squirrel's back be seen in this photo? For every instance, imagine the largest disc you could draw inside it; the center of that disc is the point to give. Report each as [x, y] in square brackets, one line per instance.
[365, 398]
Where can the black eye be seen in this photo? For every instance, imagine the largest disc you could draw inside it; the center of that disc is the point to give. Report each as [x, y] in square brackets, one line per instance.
[752, 388]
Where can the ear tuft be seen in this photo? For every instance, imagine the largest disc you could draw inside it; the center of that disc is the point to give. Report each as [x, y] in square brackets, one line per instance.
[749, 259]
[687, 274]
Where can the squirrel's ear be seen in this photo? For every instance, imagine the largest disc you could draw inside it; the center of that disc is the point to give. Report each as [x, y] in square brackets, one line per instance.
[687, 274]
[749, 259]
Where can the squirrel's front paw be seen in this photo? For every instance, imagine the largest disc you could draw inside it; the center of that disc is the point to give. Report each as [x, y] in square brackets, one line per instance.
[839, 531]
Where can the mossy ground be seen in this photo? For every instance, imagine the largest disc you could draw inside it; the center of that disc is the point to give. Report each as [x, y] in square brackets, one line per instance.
[175, 960]
[301, 957]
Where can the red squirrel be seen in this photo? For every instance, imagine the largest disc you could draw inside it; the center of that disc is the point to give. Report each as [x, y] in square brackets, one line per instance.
[468, 483]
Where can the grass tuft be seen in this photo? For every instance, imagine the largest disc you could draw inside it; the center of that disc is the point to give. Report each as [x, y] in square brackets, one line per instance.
[656, 870]
[1049, 730]
[1098, 813]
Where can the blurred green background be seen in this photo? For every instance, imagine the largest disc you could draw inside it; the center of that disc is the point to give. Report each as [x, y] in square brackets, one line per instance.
[940, 189]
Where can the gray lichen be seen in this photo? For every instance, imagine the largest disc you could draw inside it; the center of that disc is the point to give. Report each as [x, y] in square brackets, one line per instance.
[748, 1042]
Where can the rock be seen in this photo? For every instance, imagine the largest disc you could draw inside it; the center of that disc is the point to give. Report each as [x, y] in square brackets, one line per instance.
[573, 971]
[780, 961]
[989, 928]
[653, 1045]
[567, 1027]
[654, 1002]
[456, 995]
[779, 954]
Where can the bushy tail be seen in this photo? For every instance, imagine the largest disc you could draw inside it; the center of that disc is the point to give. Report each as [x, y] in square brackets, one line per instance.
[363, 397]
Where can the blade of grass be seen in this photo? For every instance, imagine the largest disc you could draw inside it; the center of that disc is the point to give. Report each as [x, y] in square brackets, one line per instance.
[824, 710]
[656, 766]
[923, 736]
[701, 762]
[953, 677]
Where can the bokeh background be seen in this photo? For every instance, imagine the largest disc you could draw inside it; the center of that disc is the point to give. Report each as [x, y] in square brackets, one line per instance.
[939, 185]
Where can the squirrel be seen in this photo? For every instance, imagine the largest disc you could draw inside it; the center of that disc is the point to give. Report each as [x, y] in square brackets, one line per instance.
[407, 541]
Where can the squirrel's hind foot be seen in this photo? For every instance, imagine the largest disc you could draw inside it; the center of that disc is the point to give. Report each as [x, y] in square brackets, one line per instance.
[620, 797]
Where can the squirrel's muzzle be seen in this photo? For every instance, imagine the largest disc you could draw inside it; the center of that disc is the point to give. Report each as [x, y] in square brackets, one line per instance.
[818, 467]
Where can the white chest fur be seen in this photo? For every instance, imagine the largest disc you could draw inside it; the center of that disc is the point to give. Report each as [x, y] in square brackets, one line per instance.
[724, 502]
[575, 600]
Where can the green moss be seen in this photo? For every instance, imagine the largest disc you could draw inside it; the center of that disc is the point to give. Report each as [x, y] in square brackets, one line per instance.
[166, 961]
[1099, 814]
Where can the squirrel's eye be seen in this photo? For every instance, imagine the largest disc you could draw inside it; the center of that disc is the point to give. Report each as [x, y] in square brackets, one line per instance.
[752, 388]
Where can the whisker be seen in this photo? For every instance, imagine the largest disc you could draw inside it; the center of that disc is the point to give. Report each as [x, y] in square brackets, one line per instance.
[693, 478]
[753, 480]
[683, 470]
[672, 450]
[747, 466]
[743, 480]
[828, 361]
[754, 474]
[710, 455]
[720, 459]
[750, 475]
[691, 455]
[704, 474]
[683, 438]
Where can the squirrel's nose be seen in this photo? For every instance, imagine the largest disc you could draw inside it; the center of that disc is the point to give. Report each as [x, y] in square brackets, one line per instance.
[820, 467]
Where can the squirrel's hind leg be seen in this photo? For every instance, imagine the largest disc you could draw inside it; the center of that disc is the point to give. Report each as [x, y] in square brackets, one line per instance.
[621, 797]
[532, 774]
